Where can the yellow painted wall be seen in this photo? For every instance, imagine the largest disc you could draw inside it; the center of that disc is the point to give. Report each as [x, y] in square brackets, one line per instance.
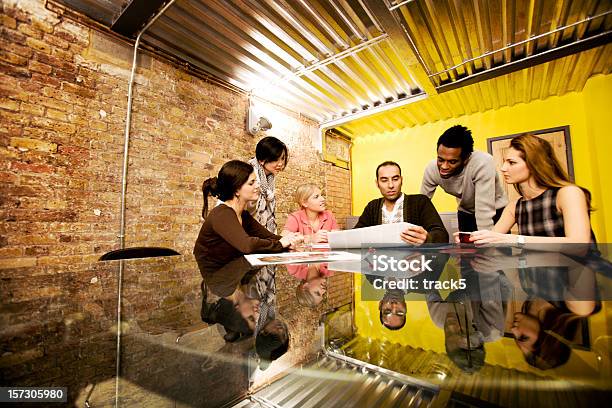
[586, 112]
[597, 95]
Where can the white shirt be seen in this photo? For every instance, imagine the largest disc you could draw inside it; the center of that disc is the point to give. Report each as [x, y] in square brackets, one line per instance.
[391, 217]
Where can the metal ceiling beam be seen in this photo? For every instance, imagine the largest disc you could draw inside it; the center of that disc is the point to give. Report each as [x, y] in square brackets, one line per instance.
[400, 41]
[372, 111]
[343, 54]
[98, 11]
[135, 15]
[536, 59]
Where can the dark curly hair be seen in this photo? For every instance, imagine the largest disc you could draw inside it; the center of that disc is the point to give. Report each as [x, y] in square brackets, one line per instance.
[458, 136]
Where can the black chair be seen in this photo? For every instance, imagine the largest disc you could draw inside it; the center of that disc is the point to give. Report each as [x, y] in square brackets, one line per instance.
[137, 252]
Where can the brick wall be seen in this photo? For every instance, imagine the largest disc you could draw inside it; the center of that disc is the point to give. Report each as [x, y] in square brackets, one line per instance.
[338, 183]
[62, 109]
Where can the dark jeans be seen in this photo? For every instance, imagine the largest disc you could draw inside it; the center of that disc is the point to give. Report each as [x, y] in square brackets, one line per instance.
[467, 221]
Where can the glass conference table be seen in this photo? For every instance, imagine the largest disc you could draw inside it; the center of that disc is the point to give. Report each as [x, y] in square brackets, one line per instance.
[456, 327]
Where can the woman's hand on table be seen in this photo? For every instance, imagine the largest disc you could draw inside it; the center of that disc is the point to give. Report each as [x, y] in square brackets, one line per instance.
[291, 240]
[319, 237]
[484, 237]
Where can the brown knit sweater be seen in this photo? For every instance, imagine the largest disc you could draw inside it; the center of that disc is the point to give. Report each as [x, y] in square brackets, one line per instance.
[223, 239]
[418, 210]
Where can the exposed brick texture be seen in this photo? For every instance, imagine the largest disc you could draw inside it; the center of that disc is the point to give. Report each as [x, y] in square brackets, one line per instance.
[62, 116]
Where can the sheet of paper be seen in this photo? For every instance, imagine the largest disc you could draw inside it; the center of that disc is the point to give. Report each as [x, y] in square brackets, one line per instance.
[387, 235]
[321, 246]
[300, 257]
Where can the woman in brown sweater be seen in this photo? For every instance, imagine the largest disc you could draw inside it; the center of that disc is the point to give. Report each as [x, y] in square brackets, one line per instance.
[229, 231]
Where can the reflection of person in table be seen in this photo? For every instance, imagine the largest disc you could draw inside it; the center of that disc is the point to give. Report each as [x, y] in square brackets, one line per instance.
[558, 302]
[392, 306]
[272, 342]
[313, 220]
[544, 330]
[226, 299]
[313, 283]
[463, 339]
[560, 293]
[392, 309]
[471, 317]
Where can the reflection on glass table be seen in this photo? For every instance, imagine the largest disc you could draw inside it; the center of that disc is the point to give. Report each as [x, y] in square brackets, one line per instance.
[527, 321]
[532, 333]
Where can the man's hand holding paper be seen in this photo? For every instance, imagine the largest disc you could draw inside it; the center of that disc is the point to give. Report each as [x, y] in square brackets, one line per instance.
[414, 234]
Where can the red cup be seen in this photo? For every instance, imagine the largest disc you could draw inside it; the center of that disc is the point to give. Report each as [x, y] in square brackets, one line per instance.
[464, 237]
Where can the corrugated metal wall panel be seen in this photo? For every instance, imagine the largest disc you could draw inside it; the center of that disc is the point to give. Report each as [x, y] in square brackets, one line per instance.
[460, 37]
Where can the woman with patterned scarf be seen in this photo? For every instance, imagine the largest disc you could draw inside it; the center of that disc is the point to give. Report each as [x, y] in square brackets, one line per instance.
[271, 156]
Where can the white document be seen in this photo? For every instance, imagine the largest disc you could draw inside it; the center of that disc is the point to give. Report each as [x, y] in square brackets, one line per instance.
[300, 257]
[387, 235]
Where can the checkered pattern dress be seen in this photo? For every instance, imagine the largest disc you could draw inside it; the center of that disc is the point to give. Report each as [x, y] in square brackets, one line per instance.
[539, 216]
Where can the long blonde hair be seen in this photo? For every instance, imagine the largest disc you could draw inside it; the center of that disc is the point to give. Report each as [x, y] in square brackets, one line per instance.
[543, 164]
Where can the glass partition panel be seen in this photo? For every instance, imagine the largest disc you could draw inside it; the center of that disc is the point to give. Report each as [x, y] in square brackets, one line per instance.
[58, 321]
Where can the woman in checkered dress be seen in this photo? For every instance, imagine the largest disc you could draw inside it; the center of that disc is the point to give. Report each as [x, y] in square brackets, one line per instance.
[551, 209]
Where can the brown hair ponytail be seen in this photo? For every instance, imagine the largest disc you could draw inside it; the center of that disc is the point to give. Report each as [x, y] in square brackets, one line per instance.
[231, 177]
[209, 188]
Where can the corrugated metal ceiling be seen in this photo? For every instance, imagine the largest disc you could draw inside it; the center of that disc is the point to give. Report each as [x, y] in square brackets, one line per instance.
[103, 11]
[331, 59]
[459, 39]
[553, 78]
[320, 58]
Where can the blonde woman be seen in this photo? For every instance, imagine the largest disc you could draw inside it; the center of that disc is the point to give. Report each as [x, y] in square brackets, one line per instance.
[313, 220]
[313, 283]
